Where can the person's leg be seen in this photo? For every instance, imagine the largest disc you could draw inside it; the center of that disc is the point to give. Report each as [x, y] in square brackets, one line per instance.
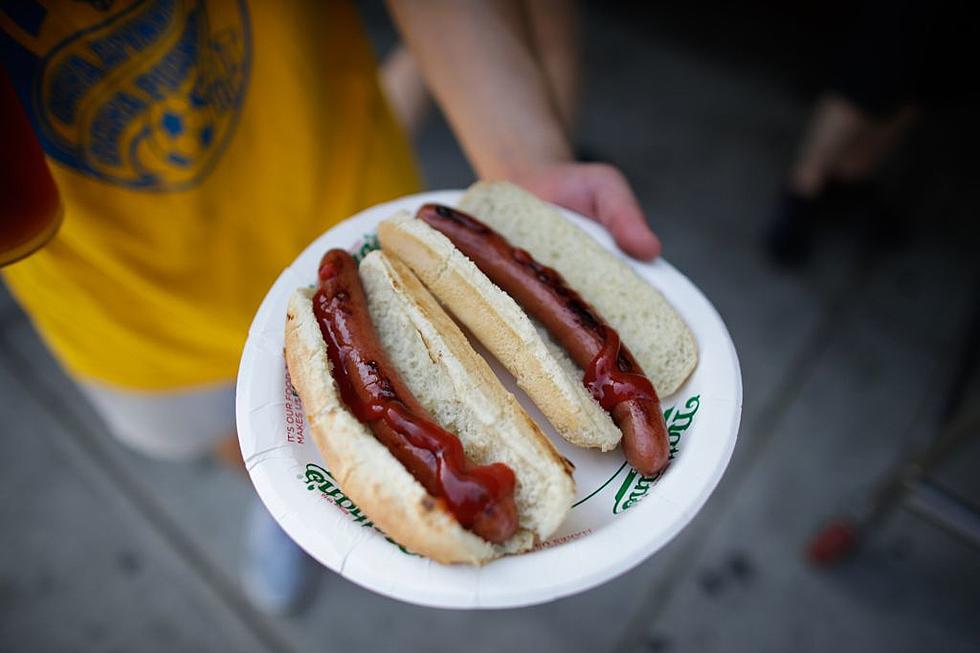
[174, 425]
[229, 451]
[869, 149]
[835, 126]
[843, 145]
[192, 424]
[833, 130]
[876, 73]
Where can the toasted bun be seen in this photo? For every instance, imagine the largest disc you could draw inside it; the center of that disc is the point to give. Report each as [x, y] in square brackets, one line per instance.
[646, 322]
[461, 393]
[545, 373]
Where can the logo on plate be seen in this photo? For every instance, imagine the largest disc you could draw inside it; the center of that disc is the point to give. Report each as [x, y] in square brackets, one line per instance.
[636, 486]
[318, 478]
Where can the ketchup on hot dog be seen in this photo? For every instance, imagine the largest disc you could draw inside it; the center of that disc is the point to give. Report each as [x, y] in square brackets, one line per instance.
[480, 497]
[612, 375]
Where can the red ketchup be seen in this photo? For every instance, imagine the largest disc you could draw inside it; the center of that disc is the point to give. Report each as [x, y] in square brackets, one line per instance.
[609, 376]
[480, 497]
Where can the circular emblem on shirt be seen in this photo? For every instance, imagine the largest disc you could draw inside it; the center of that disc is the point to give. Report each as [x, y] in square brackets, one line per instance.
[149, 98]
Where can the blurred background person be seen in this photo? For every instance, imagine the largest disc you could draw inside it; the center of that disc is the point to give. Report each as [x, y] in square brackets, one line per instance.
[893, 59]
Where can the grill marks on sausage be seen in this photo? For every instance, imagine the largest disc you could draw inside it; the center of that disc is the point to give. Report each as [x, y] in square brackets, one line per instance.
[612, 375]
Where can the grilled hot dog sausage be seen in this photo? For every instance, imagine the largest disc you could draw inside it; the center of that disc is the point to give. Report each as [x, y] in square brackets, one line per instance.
[480, 497]
[612, 375]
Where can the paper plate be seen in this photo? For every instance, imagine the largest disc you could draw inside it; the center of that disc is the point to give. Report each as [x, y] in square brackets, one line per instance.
[619, 518]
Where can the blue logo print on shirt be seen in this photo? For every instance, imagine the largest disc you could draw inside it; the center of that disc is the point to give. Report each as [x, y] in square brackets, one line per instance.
[149, 98]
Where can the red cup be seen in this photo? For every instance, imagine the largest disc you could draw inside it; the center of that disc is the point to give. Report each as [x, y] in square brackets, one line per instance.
[30, 207]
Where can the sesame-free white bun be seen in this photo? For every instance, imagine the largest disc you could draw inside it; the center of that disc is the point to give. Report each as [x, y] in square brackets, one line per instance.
[655, 333]
[542, 370]
[646, 322]
[460, 392]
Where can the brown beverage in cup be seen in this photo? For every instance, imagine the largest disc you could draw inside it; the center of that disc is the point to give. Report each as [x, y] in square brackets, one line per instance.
[30, 208]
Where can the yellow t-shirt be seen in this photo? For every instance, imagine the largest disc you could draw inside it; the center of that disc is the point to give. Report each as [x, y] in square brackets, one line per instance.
[197, 147]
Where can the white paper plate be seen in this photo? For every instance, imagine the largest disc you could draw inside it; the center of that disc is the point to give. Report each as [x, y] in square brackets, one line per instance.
[619, 519]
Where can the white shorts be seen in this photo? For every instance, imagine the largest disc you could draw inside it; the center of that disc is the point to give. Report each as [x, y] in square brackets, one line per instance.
[174, 425]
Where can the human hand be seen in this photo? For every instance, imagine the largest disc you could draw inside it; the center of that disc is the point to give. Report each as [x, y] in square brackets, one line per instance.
[598, 191]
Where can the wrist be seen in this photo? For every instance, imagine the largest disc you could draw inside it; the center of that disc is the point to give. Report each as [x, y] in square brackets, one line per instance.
[524, 157]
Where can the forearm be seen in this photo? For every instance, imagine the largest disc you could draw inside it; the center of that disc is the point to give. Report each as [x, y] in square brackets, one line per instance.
[478, 60]
[479, 64]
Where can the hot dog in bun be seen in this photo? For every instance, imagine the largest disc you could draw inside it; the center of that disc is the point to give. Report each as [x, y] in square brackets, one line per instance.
[412, 422]
[603, 344]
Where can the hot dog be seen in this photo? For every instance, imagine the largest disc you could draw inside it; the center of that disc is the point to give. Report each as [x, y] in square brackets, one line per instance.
[480, 497]
[612, 375]
[478, 273]
[382, 372]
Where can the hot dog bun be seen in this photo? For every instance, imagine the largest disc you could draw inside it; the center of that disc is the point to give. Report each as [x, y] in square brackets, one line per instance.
[459, 390]
[541, 367]
[648, 325]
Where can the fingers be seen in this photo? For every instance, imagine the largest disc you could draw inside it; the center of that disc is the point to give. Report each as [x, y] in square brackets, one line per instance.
[601, 192]
[617, 209]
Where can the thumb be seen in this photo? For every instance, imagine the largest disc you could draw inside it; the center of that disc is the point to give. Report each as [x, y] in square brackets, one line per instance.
[617, 208]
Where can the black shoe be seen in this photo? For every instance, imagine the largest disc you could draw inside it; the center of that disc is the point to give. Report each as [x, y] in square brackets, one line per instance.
[789, 236]
[848, 200]
[879, 226]
[882, 230]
